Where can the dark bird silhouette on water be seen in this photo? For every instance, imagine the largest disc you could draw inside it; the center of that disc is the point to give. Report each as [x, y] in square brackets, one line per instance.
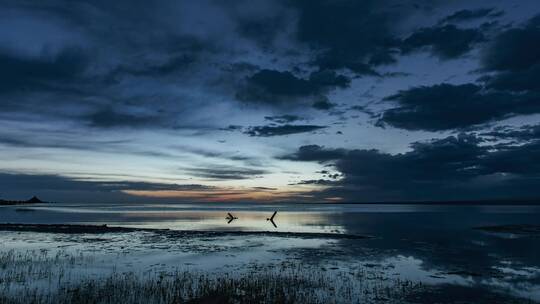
[271, 219]
[230, 218]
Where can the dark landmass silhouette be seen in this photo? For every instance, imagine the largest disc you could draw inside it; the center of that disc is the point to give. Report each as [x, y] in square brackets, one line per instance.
[33, 200]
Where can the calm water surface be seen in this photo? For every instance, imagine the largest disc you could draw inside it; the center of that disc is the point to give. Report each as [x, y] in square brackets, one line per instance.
[377, 219]
[428, 244]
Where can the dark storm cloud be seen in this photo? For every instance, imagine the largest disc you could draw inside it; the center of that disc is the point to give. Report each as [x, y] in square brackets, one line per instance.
[159, 69]
[262, 30]
[515, 49]
[515, 55]
[315, 153]
[65, 142]
[232, 128]
[510, 90]
[446, 107]
[45, 72]
[282, 119]
[468, 15]
[87, 61]
[376, 174]
[432, 170]
[276, 87]
[518, 134]
[323, 105]
[267, 131]
[107, 118]
[517, 81]
[29, 182]
[361, 35]
[150, 56]
[522, 161]
[324, 182]
[225, 172]
[446, 41]
[113, 49]
[350, 34]
[265, 188]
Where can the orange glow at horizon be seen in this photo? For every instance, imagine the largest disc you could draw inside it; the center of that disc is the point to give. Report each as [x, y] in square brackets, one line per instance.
[223, 195]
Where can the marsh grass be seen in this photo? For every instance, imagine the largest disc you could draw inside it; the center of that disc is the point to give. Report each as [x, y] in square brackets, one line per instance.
[43, 277]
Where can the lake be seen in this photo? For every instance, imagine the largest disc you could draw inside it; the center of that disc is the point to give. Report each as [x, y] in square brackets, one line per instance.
[438, 249]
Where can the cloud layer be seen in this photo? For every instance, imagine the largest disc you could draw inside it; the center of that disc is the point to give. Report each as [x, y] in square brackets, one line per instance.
[393, 100]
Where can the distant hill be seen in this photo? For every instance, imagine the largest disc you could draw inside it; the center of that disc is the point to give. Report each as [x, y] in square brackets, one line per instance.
[33, 200]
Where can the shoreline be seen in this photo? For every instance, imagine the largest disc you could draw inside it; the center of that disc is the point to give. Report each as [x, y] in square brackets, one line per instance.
[20, 203]
[102, 229]
[483, 202]
[521, 229]
[33, 200]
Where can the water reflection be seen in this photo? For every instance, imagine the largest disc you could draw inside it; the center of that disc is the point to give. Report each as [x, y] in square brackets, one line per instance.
[435, 245]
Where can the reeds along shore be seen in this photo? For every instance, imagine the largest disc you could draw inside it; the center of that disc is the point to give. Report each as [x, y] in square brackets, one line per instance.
[40, 277]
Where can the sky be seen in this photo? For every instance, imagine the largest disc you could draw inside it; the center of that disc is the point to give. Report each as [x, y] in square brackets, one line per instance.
[269, 100]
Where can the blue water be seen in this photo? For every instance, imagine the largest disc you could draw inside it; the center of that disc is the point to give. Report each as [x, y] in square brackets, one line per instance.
[372, 219]
[428, 241]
